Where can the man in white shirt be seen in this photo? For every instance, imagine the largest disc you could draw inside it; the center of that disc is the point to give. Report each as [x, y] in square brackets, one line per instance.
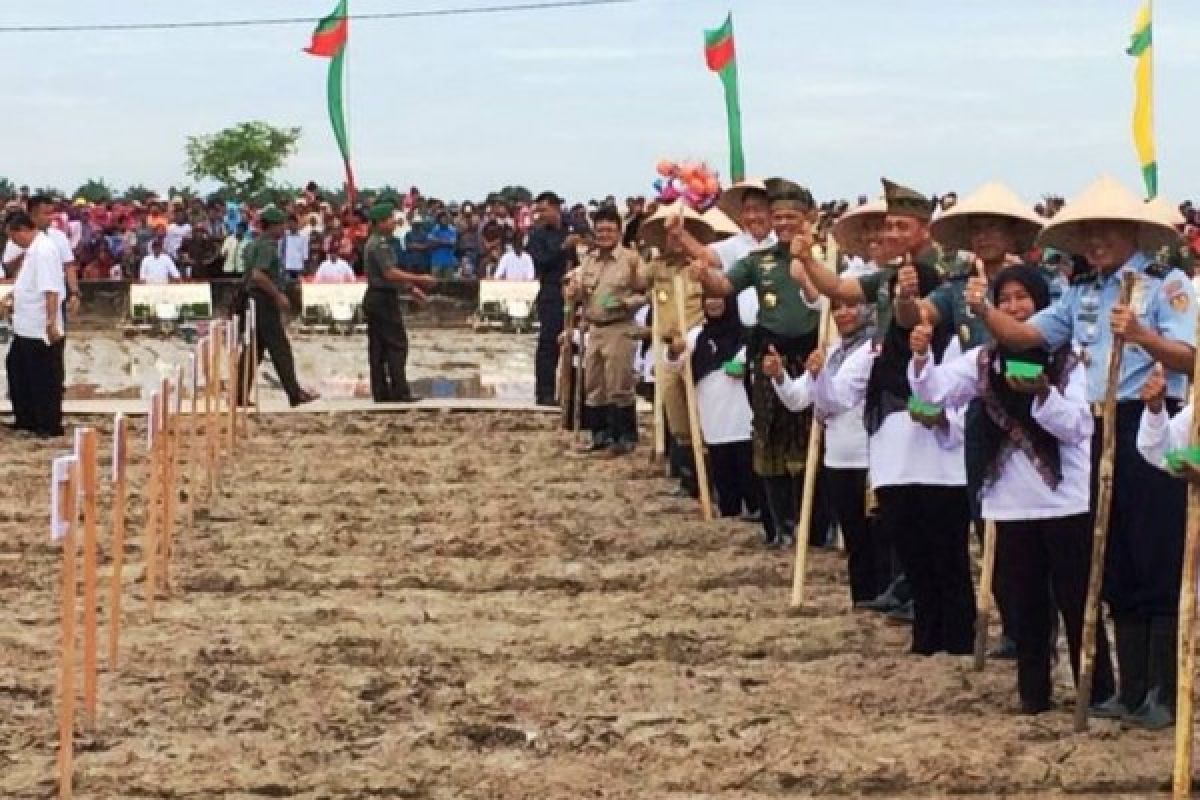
[157, 267]
[233, 250]
[515, 264]
[747, 203]
[293, 249]
[34, 380]
[177, 231]
[334, 270]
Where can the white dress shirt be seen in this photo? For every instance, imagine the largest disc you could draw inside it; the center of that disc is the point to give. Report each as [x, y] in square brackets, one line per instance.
[41, 272]
[513, 267]
[1019, 492]
[293, 248]
[158, 269]
[12, 251]
[722, 405]
[334, 271]
[733, 250]
[902, 452]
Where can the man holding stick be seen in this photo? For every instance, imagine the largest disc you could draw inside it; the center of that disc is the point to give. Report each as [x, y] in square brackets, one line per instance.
[1114, 231]
[789, 311]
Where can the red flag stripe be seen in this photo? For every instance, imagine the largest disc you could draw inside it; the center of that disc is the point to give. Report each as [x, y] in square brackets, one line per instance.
[720, 54]
[326, 43]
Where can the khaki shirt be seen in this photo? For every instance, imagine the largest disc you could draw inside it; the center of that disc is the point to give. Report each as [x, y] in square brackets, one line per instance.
[661, 277]
[613, 285]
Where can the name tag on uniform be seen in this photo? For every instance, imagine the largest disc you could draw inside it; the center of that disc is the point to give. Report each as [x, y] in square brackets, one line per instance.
[663, 296]
[769, 300]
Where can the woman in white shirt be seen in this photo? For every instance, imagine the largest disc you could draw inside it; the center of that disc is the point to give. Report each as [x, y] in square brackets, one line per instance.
[515, 264]
[334, 270]
[717, 350]
[1036, 439]
[845, 465]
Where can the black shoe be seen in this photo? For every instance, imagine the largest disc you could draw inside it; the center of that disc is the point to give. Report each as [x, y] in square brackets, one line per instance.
[303, 398]
[888, 600]
[1005, 650]
[1111, 708]
[408, 398]
[1157, 711]
[902, 615]
[546, 401]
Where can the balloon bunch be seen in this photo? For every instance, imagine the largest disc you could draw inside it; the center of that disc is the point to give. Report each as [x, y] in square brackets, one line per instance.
[693, 182]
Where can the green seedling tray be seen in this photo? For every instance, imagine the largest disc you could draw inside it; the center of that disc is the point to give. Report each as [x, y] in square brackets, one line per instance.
[1023, 370]
[1176, 458]
[917, 406]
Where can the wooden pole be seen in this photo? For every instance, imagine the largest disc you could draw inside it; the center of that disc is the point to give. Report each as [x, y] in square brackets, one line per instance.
[811, 468]
[120, 445]
[983, 600]
[170, 421]
[65, 478]
[209, 418]
[193, 429]
[566, 366]
[1184, 723]
[234, 355]
[580, 377]
[656, 346]
[689, 387]
[153, 491]
[254, 352]
[1091, 608]
[85, 453]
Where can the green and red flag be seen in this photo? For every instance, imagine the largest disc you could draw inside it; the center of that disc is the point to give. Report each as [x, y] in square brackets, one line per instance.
[329, 41]
[721, 56]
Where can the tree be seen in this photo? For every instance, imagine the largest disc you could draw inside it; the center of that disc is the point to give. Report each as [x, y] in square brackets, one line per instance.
[95, 191]
[185, 193]
[138, 194]
[241, 158]
[48, 191]
[278, 196]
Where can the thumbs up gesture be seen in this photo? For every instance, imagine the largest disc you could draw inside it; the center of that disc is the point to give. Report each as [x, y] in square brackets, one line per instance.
[977, 288]
[908, 284]
[772, 364]
[921, 337]
[1154, 390]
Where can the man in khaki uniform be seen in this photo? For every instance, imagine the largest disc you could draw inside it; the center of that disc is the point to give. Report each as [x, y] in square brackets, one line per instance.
[610, 284]
[671, 261]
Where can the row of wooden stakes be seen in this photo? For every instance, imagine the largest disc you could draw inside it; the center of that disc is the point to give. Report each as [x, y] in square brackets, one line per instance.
[181, 460]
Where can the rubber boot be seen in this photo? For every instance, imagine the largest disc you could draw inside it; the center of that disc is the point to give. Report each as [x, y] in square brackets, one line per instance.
[689, 485]
[1157, 711]
[596, 420]
[622, 422]
[1132, 645]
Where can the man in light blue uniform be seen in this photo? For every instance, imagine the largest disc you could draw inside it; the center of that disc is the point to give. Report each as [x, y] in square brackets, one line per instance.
[1113, 230]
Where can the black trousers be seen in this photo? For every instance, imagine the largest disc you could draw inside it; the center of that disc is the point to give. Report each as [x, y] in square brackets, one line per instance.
[1144, 560]
[271, 338]
[868, 558]
[733, 476]
[550, 316]
[929, 525]
[1045, 564]
[35, 385]
[387, 345]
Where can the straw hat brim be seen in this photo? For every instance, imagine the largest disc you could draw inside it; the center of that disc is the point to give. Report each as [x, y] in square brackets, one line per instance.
[953, 231]
[722, 226]
[1152, 235]
[731, 199]
[653, 232]
[850, 231]
[1106, 200]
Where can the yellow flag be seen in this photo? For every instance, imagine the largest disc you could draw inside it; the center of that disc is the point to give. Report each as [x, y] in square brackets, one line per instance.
[1142, 48]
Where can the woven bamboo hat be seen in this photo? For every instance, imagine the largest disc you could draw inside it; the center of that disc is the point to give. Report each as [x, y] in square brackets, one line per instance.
[732, 198]
[850, 231]
[952, 229]
[653, 232]
[722, 226]
[1106, 200]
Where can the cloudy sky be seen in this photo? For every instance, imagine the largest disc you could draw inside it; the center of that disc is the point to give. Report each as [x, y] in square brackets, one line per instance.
[938, 93]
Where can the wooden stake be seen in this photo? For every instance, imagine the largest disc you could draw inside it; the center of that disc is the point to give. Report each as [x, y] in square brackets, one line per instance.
[580, 376]
[254, 352]
[85, 453]
[170, 475]
[209, 419]
[1091, 608]
[656, 347]
[193, 429]
[689, 387]
[234, 353]
[811, 468]
[1184, 723]
[153, 493]
[120, 449]
[983, 600]
[566, 367]
[65, 486]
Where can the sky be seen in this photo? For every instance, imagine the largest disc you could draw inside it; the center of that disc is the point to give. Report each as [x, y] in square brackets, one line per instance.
[939, 94]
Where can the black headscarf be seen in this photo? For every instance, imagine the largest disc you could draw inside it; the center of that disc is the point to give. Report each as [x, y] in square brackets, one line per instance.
[1008, 420]
[720, 339]
[888, 389]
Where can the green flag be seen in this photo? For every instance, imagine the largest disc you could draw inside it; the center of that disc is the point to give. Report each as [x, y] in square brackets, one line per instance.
[329, 41]
[721, 56]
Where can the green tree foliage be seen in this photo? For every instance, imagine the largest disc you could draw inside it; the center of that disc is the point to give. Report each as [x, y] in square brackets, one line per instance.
[95, 191]
[138, 194]
[241, 158]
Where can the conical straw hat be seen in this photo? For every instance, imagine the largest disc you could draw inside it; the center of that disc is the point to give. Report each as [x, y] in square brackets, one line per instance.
[1167, 212]
[722, 226]
[850, 231]
[653, 232]
[952, 228]
[1107, 200]
[731, 199]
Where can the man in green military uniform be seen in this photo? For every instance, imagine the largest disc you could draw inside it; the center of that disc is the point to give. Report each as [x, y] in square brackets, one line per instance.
[387, 340]
[265, 284]
[789, 311]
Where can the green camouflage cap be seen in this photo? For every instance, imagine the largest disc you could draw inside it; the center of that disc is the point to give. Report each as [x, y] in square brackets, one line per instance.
[381, 211]
[906, 202]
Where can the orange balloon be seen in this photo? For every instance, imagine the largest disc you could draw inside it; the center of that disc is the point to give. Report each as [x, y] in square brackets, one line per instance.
[712, 185]
[665, 168]
[697, 183]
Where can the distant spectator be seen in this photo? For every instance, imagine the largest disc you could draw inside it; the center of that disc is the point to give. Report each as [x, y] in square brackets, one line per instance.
[334, 270]
[293, 249]
[158, 267]
[417, 248]
[515, 264]
[233, 249]
[443, 238]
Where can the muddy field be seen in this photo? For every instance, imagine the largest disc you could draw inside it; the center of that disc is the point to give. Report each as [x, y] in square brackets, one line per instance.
[438, 605]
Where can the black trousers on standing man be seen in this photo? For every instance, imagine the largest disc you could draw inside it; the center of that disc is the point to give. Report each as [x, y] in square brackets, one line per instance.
[271, 338]
[35, 386]
[551, 319]
[387, 345]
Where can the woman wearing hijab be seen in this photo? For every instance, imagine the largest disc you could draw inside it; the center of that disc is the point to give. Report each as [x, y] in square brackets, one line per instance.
[717, 349]
[845, 446]
[1036, 457]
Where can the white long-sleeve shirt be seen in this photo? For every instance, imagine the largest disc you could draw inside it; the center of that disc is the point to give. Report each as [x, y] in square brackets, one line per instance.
[334, 271]
[902, 452]
[845, 435]
[513, 267]
[158, 269]
[1159, 433]
[1018, 491]
[725, 415]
